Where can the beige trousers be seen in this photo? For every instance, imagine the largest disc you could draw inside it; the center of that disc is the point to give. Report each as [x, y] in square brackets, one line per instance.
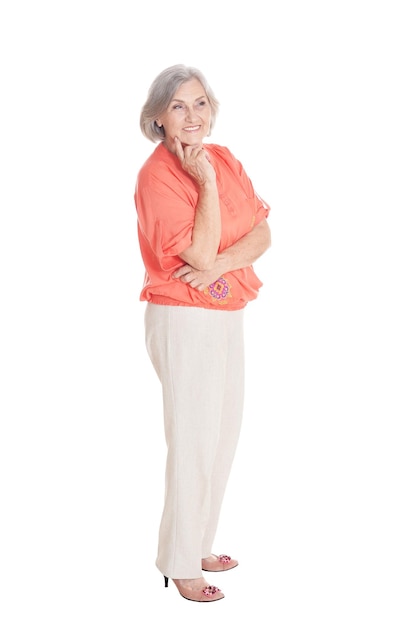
[198, 355]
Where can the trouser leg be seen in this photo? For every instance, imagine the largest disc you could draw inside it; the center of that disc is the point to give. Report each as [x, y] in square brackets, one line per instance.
[198, 356]
[231, 420]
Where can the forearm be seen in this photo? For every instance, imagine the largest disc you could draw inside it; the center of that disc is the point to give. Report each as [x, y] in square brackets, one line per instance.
[202, 252]
[245, 251]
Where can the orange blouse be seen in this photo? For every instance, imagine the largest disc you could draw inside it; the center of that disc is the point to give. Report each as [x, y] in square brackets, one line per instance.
[166, 198]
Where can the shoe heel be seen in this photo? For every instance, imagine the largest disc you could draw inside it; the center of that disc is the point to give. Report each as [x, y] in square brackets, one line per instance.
[166, 581]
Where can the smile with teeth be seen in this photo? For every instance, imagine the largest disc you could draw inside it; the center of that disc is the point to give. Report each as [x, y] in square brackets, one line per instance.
[191, 128]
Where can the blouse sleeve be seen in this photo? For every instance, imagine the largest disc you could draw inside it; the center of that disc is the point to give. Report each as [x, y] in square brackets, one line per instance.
[262, 210]
[260, 207]
[166, 219]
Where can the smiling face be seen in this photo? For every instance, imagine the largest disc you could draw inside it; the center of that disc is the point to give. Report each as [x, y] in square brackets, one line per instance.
[188, 115]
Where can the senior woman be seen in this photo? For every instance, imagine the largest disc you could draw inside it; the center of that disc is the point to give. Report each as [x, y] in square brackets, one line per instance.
[200, 227]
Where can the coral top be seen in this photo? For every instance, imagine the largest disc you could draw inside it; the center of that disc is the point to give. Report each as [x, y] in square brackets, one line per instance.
[166, 198]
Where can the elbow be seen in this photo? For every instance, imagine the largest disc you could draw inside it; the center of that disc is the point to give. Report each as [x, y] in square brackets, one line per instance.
[266, 235]
[268, 241]
[199, 260]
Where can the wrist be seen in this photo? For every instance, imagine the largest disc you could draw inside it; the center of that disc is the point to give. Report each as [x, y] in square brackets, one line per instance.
[208, 186]
[221, 263]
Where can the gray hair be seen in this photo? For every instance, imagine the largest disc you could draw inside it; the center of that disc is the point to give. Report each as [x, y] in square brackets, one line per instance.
[162, 91]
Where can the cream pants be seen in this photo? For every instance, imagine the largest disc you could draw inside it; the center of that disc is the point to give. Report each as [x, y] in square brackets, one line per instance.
[198, 355]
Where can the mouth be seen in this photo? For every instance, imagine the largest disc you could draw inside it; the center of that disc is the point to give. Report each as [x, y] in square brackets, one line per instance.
[191, 129]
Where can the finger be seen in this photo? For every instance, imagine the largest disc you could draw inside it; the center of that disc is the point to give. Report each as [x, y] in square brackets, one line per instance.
[193, 150]
[178, 149]
[195, 284]
[184, 269]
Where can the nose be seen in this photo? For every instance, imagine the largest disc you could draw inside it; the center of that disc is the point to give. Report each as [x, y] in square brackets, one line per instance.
[190, 114]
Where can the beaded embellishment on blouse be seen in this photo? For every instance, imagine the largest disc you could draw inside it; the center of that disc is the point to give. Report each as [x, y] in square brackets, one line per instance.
[219, 290]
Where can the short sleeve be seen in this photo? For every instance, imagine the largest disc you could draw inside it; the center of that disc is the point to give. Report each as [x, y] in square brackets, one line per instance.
[259, 208]
[262, 210]
[166, 220]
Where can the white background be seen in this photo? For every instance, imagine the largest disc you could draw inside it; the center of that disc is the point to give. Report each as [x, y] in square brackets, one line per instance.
[318, 101]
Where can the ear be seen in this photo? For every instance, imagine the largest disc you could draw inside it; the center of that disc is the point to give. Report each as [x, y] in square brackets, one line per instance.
[158, 123]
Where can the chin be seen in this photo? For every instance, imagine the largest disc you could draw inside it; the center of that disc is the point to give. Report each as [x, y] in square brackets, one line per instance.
[192, 140]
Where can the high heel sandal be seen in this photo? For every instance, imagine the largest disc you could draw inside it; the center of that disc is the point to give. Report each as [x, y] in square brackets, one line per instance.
[222, 564]
[209, 593]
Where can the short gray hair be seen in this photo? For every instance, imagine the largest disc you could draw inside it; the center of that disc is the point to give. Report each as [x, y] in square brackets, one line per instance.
[162, 91]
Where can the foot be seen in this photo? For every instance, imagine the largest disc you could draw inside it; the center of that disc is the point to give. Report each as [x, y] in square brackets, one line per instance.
[197, 589]
[214, 563]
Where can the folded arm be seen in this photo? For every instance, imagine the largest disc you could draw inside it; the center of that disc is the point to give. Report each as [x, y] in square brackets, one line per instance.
[241, 254]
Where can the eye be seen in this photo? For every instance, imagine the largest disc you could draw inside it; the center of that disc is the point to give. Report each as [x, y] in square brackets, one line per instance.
[202, 103]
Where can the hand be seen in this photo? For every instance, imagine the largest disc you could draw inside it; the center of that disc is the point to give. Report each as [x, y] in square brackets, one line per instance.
[195, 161]
[198, 279]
